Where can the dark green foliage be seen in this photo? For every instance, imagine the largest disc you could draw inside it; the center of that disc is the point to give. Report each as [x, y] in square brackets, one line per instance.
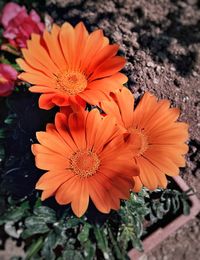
[133, 214]
[67, 237]
[169, 201]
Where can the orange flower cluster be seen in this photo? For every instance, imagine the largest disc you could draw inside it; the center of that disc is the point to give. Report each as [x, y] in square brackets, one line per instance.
[88, 155]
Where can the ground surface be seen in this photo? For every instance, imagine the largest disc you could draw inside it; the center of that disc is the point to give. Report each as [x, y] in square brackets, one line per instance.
[161, 41]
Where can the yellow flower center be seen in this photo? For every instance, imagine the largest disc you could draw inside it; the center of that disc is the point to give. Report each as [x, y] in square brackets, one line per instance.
[71, 82]
[137, 140]
[84, 163]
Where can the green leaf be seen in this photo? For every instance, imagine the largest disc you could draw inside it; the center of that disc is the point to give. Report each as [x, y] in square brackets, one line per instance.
[2, 133]
[186, 207]
[34, 248]
[15, 214]
[73, 222]
[83, 235]
[10, 119]
[34, 225]
[71, 255]
[89, 250]
[49, 245]
[45, 213]
[101, 238]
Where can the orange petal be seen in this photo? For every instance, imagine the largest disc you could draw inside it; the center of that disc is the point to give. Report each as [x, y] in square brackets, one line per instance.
[67, 41]
[137, 184]
[99, 195]
[162, 180]
[109, 67]
[76, 123]
[92, 124]
[47, 193]
[106, 85]
[112, 194]
[93, 45]
[125, 101]
[68, 190]
[116, 182]
[25, 66]
[93, 97]
[41, 54]
[33, 62]
[38, 148]
[106, 131]
[53, 142]
[38, 78]
[119, 77]
[61, 122]
[147, 175]
[111, 108]
[146, 107]
[42, 89]
[51, 162]
[53, 179]
[81, 36]
[53, 45]
[105, 53]
[163, 163]
[80, 202]
[45, 101]
[60, 99]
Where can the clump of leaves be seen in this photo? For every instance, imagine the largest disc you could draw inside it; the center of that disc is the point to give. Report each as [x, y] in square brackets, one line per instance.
[49, 236]
[169, 201]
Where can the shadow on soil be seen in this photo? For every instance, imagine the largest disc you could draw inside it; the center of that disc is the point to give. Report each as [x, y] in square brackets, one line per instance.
[171, 28]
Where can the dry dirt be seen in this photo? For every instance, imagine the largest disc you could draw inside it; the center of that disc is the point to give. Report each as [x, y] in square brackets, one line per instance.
[161, 41]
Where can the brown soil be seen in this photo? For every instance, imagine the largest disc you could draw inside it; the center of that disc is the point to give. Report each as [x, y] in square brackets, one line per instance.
[161, 41]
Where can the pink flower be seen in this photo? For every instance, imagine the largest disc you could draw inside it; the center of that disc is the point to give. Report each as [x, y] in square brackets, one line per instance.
[8, 75]
[19, 25]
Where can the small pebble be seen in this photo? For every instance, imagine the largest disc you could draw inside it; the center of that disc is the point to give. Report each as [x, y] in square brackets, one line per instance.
[150, 64]
[194, 73]
[155, 81]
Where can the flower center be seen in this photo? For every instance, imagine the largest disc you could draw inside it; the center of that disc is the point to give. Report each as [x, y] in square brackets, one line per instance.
[3, 80]
[71, 82]
[137, 140]
[84, 163]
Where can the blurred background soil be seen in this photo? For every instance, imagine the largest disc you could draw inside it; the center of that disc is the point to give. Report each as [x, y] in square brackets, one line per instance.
[161, 41]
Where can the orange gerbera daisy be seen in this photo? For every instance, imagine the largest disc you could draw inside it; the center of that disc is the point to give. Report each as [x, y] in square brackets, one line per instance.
[71, 64]
[86, 157]
[154, 136]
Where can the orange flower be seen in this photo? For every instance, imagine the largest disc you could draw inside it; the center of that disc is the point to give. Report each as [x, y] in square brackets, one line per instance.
[155, 137]
[71, 64]
[86, 157]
